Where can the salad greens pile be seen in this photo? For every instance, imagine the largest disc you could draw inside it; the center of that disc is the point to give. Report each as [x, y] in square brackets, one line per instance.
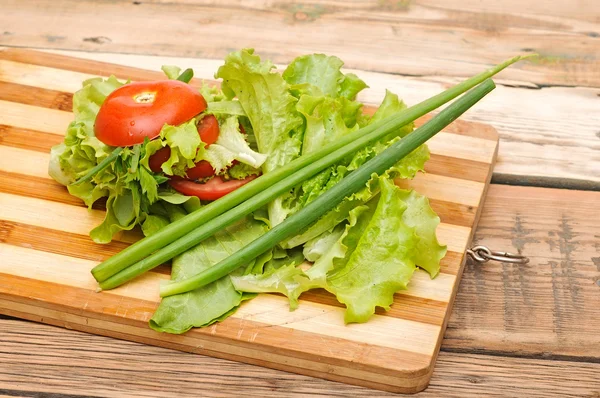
[363, 251]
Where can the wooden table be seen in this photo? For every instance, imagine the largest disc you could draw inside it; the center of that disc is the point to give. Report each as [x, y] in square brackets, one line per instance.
[516, 330]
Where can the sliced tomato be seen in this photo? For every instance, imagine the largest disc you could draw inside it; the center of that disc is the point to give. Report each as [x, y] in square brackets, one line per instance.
[158, 158]
[201, 170]
[208, 128]
[213, 189]
[140, 109]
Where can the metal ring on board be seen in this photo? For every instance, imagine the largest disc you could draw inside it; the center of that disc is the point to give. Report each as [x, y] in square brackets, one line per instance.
[483, 254]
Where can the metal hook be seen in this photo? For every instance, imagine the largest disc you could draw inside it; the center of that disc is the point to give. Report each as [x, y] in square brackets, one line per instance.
[482, 254]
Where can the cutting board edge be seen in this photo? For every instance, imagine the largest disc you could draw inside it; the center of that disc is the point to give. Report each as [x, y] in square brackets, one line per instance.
[491, 131]
[410, 382]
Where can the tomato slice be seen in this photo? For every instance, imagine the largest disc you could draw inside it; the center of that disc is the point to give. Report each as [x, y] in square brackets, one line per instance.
[202, 170]
[208, 128]
[213, 189]
[140, 109]
[158, 158]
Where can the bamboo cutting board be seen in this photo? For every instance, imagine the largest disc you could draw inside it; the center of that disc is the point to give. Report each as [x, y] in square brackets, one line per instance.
[46, 254]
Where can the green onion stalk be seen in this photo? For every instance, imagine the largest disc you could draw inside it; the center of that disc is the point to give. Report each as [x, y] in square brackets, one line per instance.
[332, 197]
[200, 220]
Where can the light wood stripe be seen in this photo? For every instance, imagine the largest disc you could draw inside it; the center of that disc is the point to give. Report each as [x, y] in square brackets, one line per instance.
[56, 122]
[267, 309]
[35, 118]
[79, 220]
[446, 188]
[81, 246]
[77, 65]
[421, 285]
[24, 162]
[57, 216]
[461, 147]
[437, 164]
[204, 344]
[42, 76]
[458, 191]
[453, 167]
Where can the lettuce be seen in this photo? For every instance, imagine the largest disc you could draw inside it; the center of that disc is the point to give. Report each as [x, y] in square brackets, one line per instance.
[366, 261]
[231, 145]
[215, 302]
[270, 108]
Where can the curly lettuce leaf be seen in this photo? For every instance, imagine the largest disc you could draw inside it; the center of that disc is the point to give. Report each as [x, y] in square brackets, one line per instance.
[231, 145]
[324, 73]
[366, 260]
[378, 261]
[186, 147]
[216, 301]
[267, 102]
[278, 275]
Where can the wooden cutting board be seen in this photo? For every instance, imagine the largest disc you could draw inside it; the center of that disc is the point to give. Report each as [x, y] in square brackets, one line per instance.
[46, 254]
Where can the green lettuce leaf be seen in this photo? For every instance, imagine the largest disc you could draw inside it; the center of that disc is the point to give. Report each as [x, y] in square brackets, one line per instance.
[266, 99]
[278, 275]
[171, 71]
[378, 261]
[366, 260]
[186, 147]
[267, 102]
[216, 301]
[322, 72]
[231, 145]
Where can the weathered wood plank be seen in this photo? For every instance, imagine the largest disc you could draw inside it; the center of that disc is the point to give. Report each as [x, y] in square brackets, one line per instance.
[419, 37]
[541, 143]
[548, 308]
[69, 363]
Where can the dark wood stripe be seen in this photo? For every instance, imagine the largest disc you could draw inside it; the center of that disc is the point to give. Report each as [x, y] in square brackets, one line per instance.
[451, 263]
[40, 188]
[405, 307]
[61, 242]
[36, 96]
[454, 213]
[82, 65]
[465, 169]
[28, 139]
[270, 338]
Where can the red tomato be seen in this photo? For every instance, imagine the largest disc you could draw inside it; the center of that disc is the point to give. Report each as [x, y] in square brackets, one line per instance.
[158, 158]
[138, 110]
[208, 128]
[213, 189]
[202, 170]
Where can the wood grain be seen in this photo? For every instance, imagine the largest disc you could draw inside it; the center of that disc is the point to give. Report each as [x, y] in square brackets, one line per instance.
[74, 363]
[47, 280]
[535, 125]
[548, 308]
[416, 38]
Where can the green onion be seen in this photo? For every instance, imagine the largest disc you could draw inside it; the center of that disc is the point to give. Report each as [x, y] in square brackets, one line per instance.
[350, 143]
[331, 198]
[186, 75]
[100, 166]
